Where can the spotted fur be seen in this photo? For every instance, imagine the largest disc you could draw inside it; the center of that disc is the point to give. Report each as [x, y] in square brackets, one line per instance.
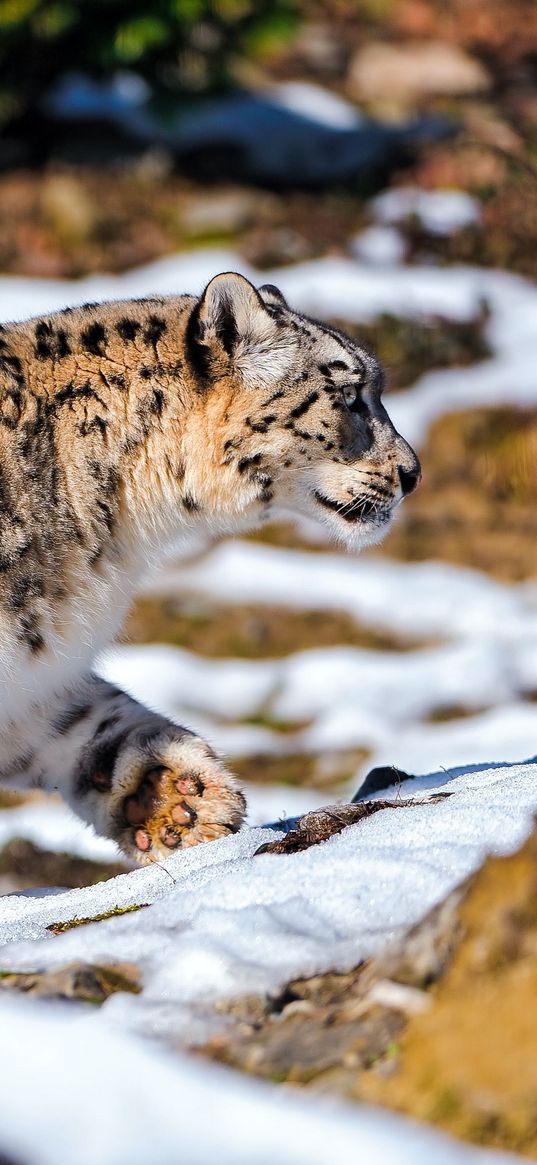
[124, 426]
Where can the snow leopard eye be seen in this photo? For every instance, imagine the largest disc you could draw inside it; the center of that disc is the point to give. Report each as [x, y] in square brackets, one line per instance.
[351, 396]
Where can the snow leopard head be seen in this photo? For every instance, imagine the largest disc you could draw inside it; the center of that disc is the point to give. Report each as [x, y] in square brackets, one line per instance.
[294, 413]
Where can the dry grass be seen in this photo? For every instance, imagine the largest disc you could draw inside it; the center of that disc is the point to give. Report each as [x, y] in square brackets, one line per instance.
[24, 864]
[249, 631]
[476, 506]
[313, 770]
[408, 348]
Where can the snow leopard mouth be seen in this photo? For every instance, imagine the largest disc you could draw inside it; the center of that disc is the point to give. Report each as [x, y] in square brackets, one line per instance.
[359, 509]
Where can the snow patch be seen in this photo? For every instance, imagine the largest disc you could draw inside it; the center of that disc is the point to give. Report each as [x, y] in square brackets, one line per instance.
[316, 104]
[440, 211]
[125, 1102]
[381, 246]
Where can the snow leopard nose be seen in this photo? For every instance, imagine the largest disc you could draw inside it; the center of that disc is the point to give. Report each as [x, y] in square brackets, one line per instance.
[409, 478]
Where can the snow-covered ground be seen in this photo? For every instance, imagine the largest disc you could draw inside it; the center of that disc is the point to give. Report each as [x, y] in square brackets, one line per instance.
[110, 1099]
[217, 920]
[225, 923]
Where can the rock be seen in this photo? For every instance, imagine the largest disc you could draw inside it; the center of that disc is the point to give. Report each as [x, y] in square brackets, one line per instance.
[254, 137]
[422, 954]
[67, 207]
[468, 1062]
[441, 1024]
[381, 777]
[85, 982]
[320, 1031]
[400, 76]
[399, 997]
[322, 49]
[223, 213]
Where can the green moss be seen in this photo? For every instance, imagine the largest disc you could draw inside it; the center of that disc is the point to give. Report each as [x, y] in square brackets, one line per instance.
[70, 924]
[446, 1105]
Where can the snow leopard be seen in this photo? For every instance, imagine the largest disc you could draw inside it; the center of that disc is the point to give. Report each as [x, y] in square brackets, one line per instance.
[125, 429]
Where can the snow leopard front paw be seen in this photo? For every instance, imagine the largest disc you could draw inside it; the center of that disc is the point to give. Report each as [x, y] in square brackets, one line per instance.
[172, 794]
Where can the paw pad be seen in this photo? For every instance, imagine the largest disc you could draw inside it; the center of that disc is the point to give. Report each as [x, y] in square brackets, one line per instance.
[171, 809]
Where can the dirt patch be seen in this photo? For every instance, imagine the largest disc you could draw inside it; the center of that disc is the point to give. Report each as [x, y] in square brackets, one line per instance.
[70, 221]
[24, 865]
[476, 506]
[506, 237]
[249, 631]
[85, 982]
[329, 770]
[408, 348]
[447, 712]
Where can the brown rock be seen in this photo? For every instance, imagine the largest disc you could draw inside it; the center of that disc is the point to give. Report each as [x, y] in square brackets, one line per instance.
[469, 1062]
[223, 213]
[67, 207]
[82, 981]
[400, 75]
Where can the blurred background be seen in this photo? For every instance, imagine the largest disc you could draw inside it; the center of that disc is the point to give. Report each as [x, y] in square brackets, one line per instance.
[378, 159]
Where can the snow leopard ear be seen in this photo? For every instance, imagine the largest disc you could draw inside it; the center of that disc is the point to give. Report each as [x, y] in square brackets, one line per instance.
[231, 331]
[272, 295]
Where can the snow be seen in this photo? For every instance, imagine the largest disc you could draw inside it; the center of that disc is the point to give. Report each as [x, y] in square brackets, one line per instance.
[380, 245]
[126, 1103]
[223, 922]
[433, 598]
[316, 103]
[347, 290]
[350, 698]
[330, 286]
[440, 211]
[218, 922]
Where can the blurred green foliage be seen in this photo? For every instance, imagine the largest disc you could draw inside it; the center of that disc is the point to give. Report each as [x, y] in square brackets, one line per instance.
[186, 46]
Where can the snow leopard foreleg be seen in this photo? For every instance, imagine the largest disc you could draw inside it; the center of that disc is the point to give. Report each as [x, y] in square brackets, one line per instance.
[149, 784]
